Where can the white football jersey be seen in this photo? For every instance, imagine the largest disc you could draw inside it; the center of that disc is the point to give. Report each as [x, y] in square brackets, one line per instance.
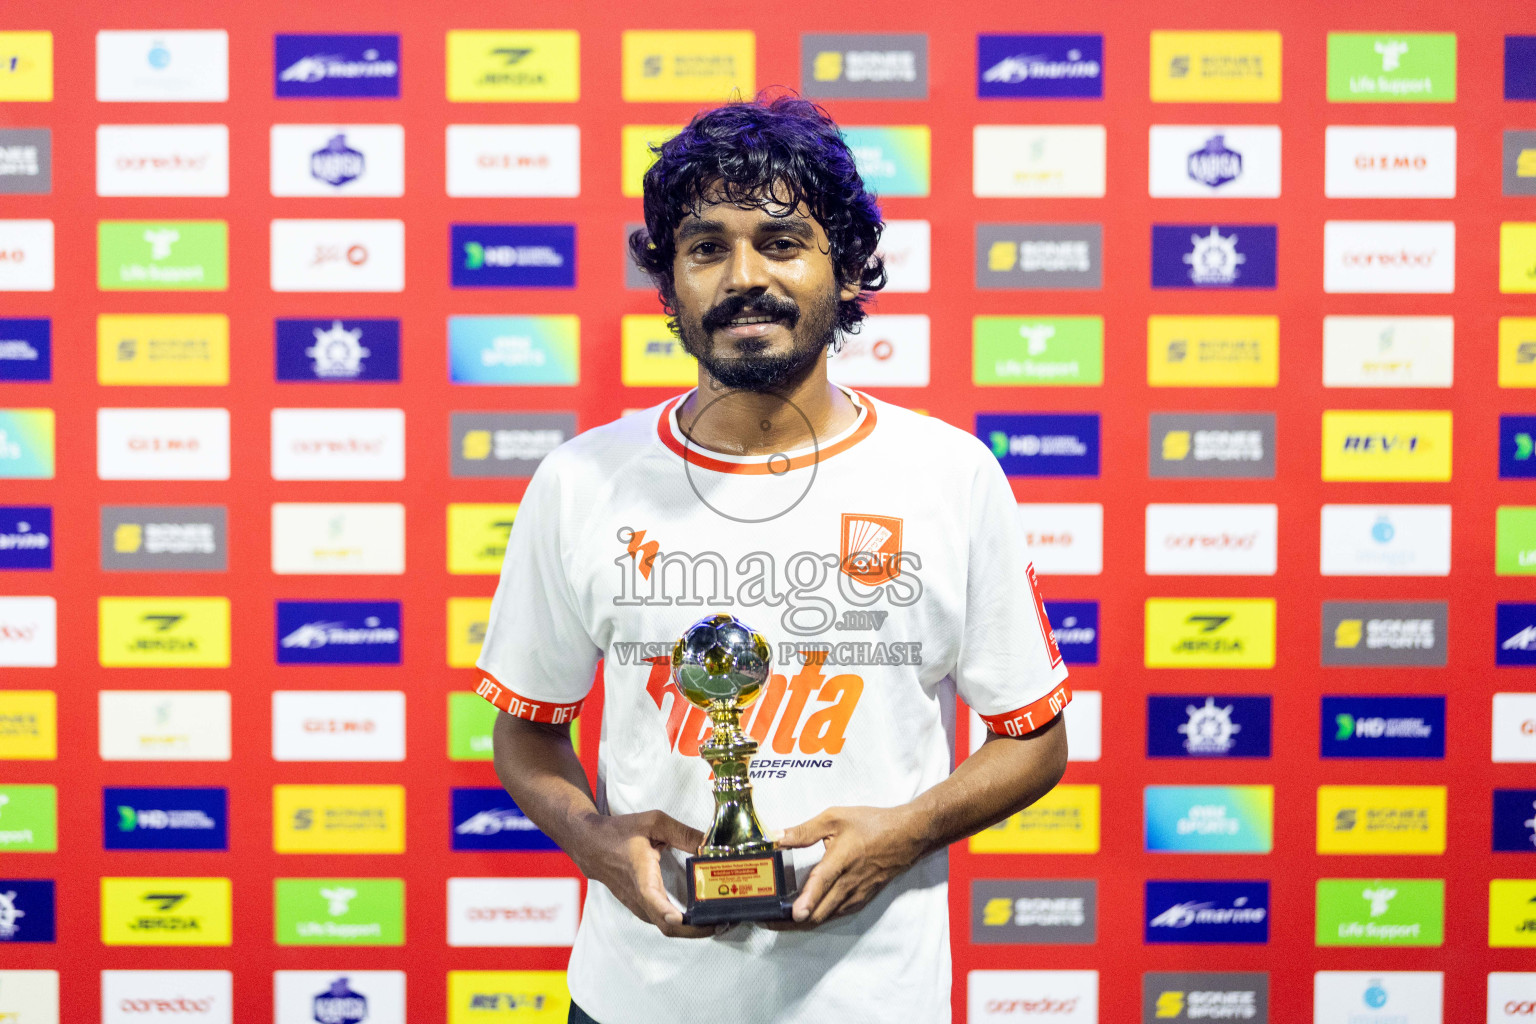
[893, 550]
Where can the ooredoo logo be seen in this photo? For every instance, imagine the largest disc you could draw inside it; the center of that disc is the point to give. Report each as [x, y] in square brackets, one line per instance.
[133, 996]
[512, 911]
[1055, 996]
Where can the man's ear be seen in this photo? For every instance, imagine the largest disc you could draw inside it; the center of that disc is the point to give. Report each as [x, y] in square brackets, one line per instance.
[849, 292]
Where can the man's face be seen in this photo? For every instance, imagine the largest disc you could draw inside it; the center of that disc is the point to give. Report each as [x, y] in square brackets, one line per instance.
[756, 293]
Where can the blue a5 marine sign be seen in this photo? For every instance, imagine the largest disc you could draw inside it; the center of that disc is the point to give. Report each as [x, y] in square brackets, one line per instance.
[1515, 639]
[1206, 725]
[349, 66]
[1355, 726]
[1213, 255]
[338, 632]
[1075, 625]
[1207, 912]
[1055, 444]
[1040, 67]
[487, 819]
[26, 910]
[165, 819]
[1514, 820]
[513, 255]
[26, 537]
[337, 350]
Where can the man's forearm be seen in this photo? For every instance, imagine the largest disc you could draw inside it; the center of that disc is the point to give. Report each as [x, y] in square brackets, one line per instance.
[538, 767]
[1000, 779]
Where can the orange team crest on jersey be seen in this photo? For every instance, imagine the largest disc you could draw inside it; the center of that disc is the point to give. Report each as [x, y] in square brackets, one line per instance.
[871, 547]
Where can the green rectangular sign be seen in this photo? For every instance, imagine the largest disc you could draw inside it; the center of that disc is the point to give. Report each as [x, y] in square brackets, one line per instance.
[1380, 911]
[1038, 350]
[29, 819]
[1398, 67]
[1515, 553]
[150, 255]
[340, 912]
[470, 719]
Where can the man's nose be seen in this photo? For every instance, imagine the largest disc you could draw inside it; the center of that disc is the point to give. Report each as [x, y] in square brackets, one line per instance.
[747, 270]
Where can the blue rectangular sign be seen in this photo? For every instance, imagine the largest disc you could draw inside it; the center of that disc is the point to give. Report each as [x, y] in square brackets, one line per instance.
[1517, 447]
[487, 819]
[26, 537]
[349, 66]
[513, 255]
[1207, 912]
[1355, 726]
[165, 819]
[1514, 820]
[1207, 725]
[1040, 67]
[1209, 819]
[335, 350]
[1520, 67]
[1051, 444]
[1213, 255]
[338, 632]
[1076, 627]
[1515, 639]
[26, 349]
[26, 911]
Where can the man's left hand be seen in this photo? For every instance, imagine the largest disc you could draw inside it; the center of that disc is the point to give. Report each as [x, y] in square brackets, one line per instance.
[866, 848]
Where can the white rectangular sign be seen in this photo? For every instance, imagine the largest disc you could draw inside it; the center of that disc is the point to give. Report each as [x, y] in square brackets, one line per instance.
[1398, 162]
[1389, 256]
[338, 160]
[1368, 997]
[29, 997]
[174, 66]
[1064, 539]
[906, 247]
[162, 160]
[526, 160]
[183, 997]
[1388, 351]
[338, 255]
[164, 725]
[1017, 160]
[1386, 540]
[338, 539]
[28, 632]
[162, 444]
[1221, 161]
[338, 725]
[1017, 997]
[338, 444]
[1514, 728]
[26, 255]
[339, 997]
[512, 911]
[890, 350]
[1212, 540]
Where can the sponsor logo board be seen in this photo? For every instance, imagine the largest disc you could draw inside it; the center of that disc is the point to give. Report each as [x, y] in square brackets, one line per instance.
[513, 255]
[864, 66]
[162, 66]
[1388, 351]
[1211, 445]
[164, 725]
[905, 246]
[1389, 162]
[1381, 819]
[330, 539]
[338, 819]
[1030, 256]
[1514, 820]
[26, 161]
[128, 997]
[1511, 912]
[1519, 162]
[688, 66]
[163, 632]
[523, 997]
[512, 911]
[1517, 352]
[1384, 633]
[165, 819]
[1517, 447]
[164, 538]
[1034, 911]
[26, 537]
[26, 910]
[487, 819]
[165, 911]
[1377, 997]
[1063, 539]
[1067, 996]
[1039, 160]
[1380, 912]
[1389, 256]
[1213, 351]
[337, 350]
[340, 66]
[1514, 727]
[339, 912]
[1213, 255]
[27, 250]
[1515, 633]
[162, 160]
[26, 349]
[477, 537]
[1212, 540]
[338, 255]
[29, 819]
[1386, 540]
[338, 160]
[507, 444]
[338, 444]
[1511, 996]
[176, 349]
[1514, 553]
[1234, 632]
[339, 997]
[523, 160]
[1208, 725]
[1224, 912]
[30, 997]
[1215, 67]
[162, 444]
[1209, 819]
[1039, 444]
[893, 160]
[1404, 67]
[1204, 995]
[26, 68]
[28, 632]
[890, 350]
[26, 444]
[338, 725]
[1038, 351]
[145, 255]
[1201, 161]
[29, 725]
[1066, 820]
[1040, 66]
[514, 67]
[519, 350]
[338, 632]
[651, 355]
[1372, 444]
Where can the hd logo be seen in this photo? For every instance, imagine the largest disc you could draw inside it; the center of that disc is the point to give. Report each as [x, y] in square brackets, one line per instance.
[164, 632]
[165, 819]
[1384, 727]
[1517, 447]
[1210, 633]
[513, 255]
[165, 911]
[1183, 997]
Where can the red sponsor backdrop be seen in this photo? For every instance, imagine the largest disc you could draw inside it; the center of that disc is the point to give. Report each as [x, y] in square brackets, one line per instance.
[1124, 401]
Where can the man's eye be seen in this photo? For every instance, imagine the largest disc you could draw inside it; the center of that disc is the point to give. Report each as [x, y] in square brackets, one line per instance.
[783, 244]
[706, 248]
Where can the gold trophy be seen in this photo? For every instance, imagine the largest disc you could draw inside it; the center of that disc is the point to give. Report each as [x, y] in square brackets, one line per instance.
[720, 665]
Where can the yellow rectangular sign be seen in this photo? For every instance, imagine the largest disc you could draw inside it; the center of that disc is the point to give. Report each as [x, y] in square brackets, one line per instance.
[524, 66]
[477, 538]
[652, 356]
[1381, 819]
[29, 725]
[1065, 820]
[1210, 632]
[163, 632]
[517, 997]
[1512, 912]
[467, 619]
[635, 156]
[1213, 351]
[1374, 444]
[338, 819]
[26, 66]
[1215, 67]
[1517, 257]
[175, 349]
[165, 912]
[688, 66]
[1517, 352]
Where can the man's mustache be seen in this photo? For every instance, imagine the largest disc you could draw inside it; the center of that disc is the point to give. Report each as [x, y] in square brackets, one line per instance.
[751, 305]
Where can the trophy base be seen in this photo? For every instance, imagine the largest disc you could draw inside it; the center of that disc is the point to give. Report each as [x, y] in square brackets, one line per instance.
[737, 887]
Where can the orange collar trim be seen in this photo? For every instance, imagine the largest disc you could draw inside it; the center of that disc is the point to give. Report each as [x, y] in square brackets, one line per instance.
[667, 430]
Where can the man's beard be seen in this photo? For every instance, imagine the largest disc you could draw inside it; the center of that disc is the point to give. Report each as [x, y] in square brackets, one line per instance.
[811, 331]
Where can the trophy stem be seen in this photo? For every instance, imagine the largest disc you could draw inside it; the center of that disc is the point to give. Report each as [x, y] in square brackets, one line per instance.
[735, 829]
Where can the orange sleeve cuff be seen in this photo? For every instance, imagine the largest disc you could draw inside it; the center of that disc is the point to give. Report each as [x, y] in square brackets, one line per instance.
[521, 707]
[1031, 716]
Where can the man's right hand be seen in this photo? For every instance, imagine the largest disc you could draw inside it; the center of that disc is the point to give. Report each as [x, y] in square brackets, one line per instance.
[623, 852]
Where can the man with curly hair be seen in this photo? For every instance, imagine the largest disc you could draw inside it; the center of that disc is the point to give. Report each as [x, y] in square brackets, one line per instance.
[878, 551]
